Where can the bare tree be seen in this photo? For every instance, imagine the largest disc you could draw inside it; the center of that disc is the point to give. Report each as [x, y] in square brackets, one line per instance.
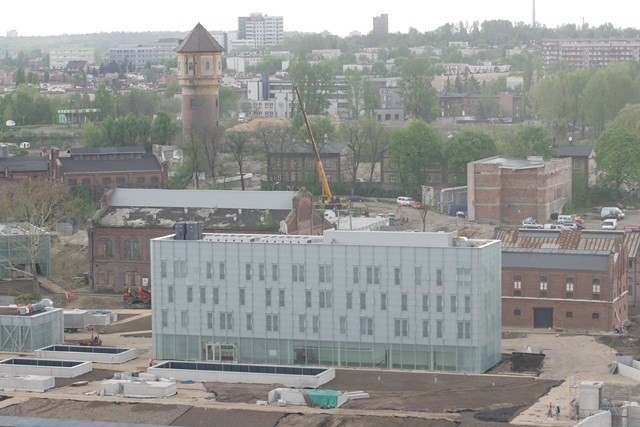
[377, 141]
[36, 206]
[238, 145]
[353, 133]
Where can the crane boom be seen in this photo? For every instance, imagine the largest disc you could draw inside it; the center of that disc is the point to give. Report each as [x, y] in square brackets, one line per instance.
[327, 195]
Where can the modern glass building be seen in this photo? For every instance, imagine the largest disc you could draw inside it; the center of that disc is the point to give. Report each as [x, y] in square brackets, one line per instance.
[367, 299]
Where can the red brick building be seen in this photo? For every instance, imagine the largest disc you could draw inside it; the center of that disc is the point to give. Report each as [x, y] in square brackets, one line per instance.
[100, 169]
[510, 190]
[19, 168]
[564, 279]
[129, 218]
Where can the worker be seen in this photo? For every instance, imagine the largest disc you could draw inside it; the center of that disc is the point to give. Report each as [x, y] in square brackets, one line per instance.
[550, 411]
[151, 362]
[557, 412]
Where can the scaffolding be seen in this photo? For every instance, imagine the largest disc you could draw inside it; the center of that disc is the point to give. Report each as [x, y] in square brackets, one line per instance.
[15, 248]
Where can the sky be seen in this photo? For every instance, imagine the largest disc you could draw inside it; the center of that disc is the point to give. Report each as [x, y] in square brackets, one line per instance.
[46, 17]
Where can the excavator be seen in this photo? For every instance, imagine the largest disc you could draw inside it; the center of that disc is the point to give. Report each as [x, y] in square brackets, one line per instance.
[329, 201]
[137, 297]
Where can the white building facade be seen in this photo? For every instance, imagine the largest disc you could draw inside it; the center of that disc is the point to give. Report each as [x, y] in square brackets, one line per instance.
[349, 298]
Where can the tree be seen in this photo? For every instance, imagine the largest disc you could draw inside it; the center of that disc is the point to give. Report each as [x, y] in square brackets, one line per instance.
[163, 129]
[37, 205]
[355, 93]
[618, 154]
[467, 146]
[238, 143]
[531, 140]
[376, 144]
[315, 85]
[228, 101]
[353, 134]
[413, 151]
[628, 118]
[415, 85]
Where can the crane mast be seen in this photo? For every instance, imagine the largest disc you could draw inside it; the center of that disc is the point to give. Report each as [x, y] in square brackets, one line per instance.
[327, 195]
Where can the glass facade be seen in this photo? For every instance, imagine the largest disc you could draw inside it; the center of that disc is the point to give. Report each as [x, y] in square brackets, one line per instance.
[317, 322]
[31, 332]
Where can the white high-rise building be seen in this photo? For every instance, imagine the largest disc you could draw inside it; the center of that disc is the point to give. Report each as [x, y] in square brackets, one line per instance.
[348, 298]
[264, 30]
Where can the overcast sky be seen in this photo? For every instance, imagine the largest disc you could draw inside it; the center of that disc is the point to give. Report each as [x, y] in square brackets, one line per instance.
[46, 17]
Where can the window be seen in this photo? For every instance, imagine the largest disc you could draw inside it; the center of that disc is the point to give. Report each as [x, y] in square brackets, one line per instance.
[417, 272]
[439, 304]
[163, 268]
[595, 316]
[467, 303]
[302, 323]
[383, 301]
[209, 270]
[401, 327]
[132, 249]
[324, 274]
[189, 293]
[463, 276]
[363, 301]
[226, 321]
[356, 274]
[517, 282]
[222, 270]
[396, 275]
[543, 283]
[596, 286]
[170, 293]
[297, 272]
[454, 304]
[184, 318]
[425, 329]
[569, 314]
[373, 275]
[165, 318]
[179, 269]
[460, 330]
[272, 323]
[249, 322]
[467, 329]
[349, 301]
[267, 297]
[439, 328]
[274, 272]
[192, 102]
[209, 320]
[576, 164]
[439, 277]
[241, 296]
[108, 250]
[325, 299]
[216, 295]
[366, 326]
[569, 284]
[307, 299]
[425, 302]
[261, 272]
[247, 271]
[516, 312]
[343, 324]
[316, 324]
[403, 302]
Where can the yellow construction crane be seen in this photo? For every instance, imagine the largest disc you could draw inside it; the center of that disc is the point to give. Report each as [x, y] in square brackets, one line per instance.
[327, 196]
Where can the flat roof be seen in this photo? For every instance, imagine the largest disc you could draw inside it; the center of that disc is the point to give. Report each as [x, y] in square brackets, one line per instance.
[510, 163]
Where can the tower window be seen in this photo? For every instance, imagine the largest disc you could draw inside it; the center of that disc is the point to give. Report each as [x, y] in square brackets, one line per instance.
[193, 103]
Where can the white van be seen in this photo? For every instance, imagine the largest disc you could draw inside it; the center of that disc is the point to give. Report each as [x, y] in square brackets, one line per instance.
[404, 201]
[609, 224]
[565, 218]
[611, 212]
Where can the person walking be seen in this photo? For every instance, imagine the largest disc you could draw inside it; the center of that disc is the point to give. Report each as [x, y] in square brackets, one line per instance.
[550, 411]
[557, 412]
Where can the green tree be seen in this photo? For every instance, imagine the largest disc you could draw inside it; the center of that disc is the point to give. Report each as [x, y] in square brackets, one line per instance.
[315, 83]
[376, 144]
[628, 118]
[163, 129]
[467, 146]
[413, 151]
[532, 140]
[618, 156]
[354, 135]
[228, 101]
[355, 92]
[415, 86]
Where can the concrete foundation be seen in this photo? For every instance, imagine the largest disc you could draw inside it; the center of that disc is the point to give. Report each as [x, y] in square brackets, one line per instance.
[37, 383]
[290, 376]
[138, 389]
[46, 367]
[107, 355]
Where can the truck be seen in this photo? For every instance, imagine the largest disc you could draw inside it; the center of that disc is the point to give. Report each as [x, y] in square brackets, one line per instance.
[137, 297]
[328, 201]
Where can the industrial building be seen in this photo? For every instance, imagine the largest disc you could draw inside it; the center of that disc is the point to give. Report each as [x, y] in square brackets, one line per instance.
[16, 243]
[347, 298]
[26, 329]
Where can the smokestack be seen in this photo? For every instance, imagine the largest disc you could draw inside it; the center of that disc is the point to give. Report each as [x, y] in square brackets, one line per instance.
[533, 23]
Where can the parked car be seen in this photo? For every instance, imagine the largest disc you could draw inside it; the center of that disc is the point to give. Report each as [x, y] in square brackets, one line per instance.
[354, 198]
[610, 224]
[611, 213]
[417, 205]
[404, 201]
[531, 223]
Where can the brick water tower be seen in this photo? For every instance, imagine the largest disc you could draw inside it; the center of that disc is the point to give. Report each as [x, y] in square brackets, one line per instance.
[199, 76]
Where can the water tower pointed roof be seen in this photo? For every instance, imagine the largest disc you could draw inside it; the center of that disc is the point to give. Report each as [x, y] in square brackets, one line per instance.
[199, 40]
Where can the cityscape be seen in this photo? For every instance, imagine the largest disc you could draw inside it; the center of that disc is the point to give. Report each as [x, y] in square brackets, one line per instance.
[270, 228]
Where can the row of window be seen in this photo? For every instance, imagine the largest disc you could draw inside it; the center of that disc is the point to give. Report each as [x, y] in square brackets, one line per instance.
[325, 299]
[372, 273]
[131, 249]
[568, 314]
[544, 284]
[120, 181]
[272, 324]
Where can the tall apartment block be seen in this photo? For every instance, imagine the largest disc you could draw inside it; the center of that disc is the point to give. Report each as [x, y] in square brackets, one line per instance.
[348, 298]
[381, 25]
[264, 30]
[60, 57]
[586, 53]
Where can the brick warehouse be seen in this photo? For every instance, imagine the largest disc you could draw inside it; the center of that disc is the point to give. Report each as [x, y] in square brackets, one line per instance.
[564, 279]
[510, 190]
